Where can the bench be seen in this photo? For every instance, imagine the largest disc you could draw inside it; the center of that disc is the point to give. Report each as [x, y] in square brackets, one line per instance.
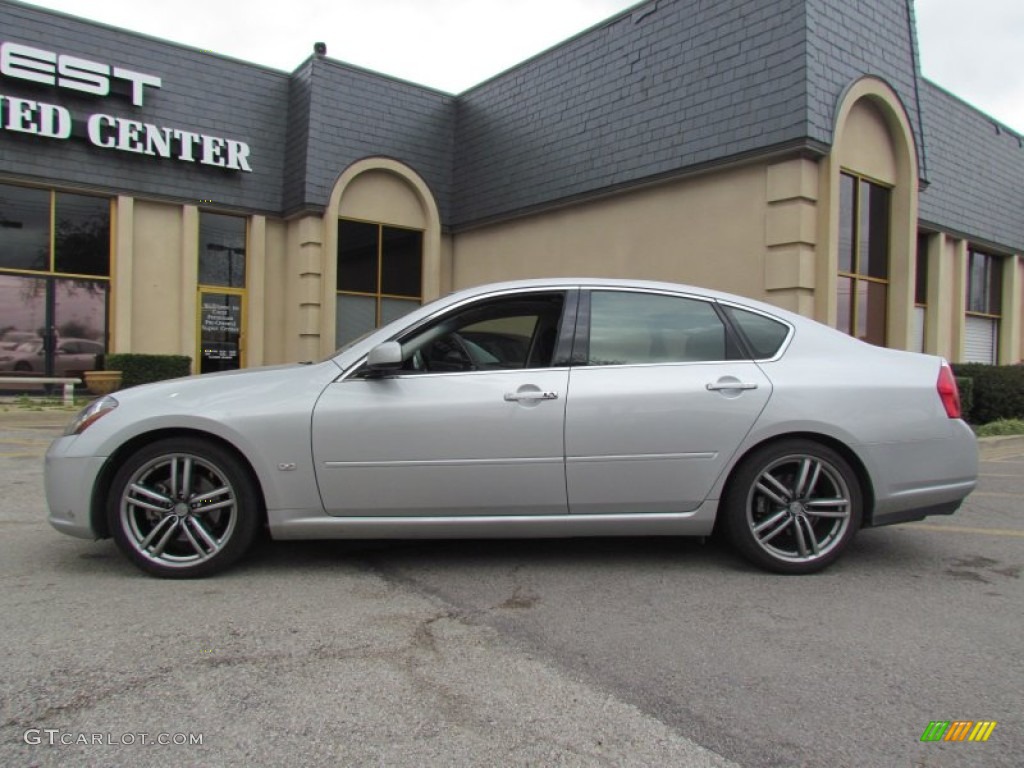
[69, 384]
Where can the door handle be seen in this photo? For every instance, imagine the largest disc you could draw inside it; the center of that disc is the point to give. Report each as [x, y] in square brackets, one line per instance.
[719, 386]
[519, 397]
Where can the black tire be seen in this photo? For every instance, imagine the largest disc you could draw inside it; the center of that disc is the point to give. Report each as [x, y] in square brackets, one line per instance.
[793, 506]
[22, 367]
[183, 508]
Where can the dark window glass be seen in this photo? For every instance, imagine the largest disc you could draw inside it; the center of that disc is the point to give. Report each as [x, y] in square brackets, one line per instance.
[847, 220]
[81, 243]
[380, 276]
[764, 335]
[358, 250]
[24, 228]
[865, 220]
[632, 328]
[874, 243]
[221, 250]
[493, 335]
[921, 277]
[984, 283]
[871, 311]
[401, 271]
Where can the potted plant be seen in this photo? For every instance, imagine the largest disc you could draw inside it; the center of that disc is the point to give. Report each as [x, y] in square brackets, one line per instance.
[100, 381]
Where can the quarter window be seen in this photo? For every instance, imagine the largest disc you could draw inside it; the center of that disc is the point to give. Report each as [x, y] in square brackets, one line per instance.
[380, 274]
[637, 328]
[863, 285]
[763, 335]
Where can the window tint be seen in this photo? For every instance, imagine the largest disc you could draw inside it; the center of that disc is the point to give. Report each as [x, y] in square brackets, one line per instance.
[630, 328]
[501, 334]
[764, 335]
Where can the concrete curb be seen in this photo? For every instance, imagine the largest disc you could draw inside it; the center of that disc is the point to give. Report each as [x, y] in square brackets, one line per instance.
[994, 448]
[989, 448]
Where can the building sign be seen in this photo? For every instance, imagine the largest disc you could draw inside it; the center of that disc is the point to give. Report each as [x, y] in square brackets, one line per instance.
[220, 332]
[53, 121]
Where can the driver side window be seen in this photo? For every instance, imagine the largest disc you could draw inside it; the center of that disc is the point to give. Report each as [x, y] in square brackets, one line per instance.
[506, 333]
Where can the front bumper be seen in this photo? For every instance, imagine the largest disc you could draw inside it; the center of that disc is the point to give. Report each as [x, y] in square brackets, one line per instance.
[69, 482]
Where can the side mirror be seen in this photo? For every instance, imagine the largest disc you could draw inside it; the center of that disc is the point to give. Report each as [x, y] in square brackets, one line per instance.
[385, 357]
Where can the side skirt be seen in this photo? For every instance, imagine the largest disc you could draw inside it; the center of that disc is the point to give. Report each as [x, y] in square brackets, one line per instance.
[305, 524]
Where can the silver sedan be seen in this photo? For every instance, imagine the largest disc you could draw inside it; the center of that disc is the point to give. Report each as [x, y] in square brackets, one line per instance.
[530, 409]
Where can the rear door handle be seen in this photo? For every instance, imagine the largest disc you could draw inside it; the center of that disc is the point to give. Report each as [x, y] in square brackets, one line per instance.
[529, 396]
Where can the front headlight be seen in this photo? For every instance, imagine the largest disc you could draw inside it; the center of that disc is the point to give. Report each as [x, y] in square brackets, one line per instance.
[89, 415]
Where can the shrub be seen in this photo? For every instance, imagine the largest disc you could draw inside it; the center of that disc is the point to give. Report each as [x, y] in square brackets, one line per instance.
[966, 386]
[1003, 427]
[143, 369]
[998, 391]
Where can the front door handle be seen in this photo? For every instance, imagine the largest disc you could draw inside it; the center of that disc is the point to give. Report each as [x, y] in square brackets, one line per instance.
[731, 385]
[529, 396]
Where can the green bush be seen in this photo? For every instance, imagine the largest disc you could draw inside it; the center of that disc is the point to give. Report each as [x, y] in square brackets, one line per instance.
[1003, 427]
[966, 386]
[143, 369]
[997, 391]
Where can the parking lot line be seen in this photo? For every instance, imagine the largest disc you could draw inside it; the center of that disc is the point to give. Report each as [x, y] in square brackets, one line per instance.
[965, 529]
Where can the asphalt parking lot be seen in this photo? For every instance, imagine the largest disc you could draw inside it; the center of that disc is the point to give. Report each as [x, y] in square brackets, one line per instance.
[582, 652]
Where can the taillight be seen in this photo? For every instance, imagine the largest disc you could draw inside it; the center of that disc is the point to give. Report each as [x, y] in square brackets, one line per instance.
[948, 392]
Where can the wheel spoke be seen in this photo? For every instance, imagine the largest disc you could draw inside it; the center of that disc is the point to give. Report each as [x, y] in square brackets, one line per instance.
[210, 495]
[217, 505]
[144, 544]
[174, 477]
[144, 491]
[186, 477]
[159, 548]
[192, 539]
[814, 504]
[768, 523]
[802, 523]
[149, 505]
[211, 542]
[779, 495]
[801, 544]
[788, 521]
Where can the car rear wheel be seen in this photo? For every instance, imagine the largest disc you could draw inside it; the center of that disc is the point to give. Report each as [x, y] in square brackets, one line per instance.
[183, 508]
[793, 506]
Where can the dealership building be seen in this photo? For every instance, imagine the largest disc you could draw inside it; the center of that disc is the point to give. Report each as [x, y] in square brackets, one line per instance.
[157, 198]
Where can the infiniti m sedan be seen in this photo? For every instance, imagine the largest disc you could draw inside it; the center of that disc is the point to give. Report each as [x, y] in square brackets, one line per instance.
[541, 408]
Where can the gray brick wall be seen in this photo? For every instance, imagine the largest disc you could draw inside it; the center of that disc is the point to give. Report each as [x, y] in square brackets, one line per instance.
[664, 87]
[355, 114]
[976, 172]
[201, 93]
[848, 40]
[300, 99]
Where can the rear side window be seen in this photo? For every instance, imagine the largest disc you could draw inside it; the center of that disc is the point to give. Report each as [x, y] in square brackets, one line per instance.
[764, 335]
[637, 328]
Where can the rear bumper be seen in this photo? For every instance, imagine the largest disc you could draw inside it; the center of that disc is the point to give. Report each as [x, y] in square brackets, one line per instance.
[924, 478]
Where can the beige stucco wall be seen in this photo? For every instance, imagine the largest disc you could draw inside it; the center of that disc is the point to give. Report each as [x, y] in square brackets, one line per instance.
[707, 231]
[383, 198]
[155, 289]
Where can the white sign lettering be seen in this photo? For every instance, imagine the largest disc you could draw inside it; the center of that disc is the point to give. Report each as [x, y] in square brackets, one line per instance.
[26, 62]
[52, 121]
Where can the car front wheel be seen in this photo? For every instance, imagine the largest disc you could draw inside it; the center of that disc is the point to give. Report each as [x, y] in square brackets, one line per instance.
[183, 507]
[793, 506]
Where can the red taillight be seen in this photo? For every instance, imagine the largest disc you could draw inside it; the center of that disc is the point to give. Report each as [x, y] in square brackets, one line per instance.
[948, 392]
